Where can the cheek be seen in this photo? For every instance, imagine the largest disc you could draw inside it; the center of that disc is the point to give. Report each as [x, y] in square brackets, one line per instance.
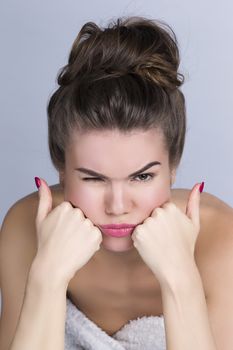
[82, 197]
[156, 197]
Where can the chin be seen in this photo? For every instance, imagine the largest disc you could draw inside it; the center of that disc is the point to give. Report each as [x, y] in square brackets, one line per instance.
[113, 244]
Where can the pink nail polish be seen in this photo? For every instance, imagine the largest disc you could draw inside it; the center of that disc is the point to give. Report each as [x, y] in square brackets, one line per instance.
[201, 187]
[38, 182]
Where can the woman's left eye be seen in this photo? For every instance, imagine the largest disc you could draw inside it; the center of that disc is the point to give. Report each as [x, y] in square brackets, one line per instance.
[146, 174]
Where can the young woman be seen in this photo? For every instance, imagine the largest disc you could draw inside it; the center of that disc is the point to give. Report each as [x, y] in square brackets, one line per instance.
[112, 236]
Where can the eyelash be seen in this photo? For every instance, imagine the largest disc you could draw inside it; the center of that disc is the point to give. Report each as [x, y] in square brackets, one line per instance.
[96, 179]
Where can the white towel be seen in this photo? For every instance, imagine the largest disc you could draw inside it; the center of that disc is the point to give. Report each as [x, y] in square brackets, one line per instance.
[143, 333]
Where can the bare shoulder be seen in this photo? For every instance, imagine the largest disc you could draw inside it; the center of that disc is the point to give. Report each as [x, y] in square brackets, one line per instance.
[18, 247]
[214, 246]
[19, 221]
[18, 228]
[213, 210]
[208, 200]
[216, 218]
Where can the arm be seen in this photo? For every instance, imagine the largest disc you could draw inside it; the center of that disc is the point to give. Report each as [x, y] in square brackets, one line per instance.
[185, 313]
[214, 260]
[42, 320]
[25, 317]
[166, 241]
[58, 231]
[215, 264]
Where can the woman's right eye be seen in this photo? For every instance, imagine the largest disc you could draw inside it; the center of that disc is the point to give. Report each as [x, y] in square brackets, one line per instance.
[91, 179]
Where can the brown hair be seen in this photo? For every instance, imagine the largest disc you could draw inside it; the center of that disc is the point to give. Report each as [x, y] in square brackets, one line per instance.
[124, 77]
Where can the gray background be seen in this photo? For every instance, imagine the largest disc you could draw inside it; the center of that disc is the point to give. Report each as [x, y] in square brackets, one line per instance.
[36, 37]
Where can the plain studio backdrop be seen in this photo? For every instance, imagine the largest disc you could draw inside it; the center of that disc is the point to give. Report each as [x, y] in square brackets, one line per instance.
[36, 37]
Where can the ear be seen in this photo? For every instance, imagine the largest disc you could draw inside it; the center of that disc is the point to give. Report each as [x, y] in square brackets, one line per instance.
[173, 176]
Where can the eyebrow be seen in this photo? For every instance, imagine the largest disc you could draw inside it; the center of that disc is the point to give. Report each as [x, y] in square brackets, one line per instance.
[94, 173]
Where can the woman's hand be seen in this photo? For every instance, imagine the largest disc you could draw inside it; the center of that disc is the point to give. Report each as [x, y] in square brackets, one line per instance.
[166, 240]
[66, 240]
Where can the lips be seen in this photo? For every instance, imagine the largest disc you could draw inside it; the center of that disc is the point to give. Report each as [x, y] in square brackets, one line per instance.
[117, 226]
[117, 230]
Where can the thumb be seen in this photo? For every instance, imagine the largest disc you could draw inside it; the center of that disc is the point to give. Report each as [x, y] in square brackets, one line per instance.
[193, 205]
[45, 200]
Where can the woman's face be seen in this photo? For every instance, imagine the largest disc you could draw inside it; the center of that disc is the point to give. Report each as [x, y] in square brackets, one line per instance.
[117, 198]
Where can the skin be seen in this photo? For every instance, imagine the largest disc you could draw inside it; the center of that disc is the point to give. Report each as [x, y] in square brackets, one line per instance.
[213, 255]
[117, 199]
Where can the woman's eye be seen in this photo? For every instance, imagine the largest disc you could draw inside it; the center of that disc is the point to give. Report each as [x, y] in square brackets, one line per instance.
[146, 175]
[91, 179]
[143, 179]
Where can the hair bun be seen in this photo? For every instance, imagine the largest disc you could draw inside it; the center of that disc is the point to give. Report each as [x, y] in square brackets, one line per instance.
[132, 45]
[159, 71]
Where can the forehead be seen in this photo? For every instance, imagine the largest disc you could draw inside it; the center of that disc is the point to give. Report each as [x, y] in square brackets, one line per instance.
[115, 144]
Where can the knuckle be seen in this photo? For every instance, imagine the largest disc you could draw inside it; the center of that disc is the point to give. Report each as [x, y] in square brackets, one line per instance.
[78, 211]
[149, 220]
[172, 206]
[159, 211]
[138, 231]
[97, 233]
[65, 205]
[95, 230]
[88, 222]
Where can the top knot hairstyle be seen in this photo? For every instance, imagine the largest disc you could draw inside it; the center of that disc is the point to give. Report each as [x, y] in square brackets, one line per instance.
[123, 77]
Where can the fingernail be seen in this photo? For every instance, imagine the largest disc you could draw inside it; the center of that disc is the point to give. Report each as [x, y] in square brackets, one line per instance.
[38, 182]
[201, 187]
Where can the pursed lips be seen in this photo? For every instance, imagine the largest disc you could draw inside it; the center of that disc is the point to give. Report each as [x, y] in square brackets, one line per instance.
[117, 226]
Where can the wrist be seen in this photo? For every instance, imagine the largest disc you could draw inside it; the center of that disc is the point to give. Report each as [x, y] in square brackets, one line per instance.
[43, 277]
[185, 278]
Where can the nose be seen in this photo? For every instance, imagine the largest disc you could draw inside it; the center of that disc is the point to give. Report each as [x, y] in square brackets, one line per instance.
[117, 200]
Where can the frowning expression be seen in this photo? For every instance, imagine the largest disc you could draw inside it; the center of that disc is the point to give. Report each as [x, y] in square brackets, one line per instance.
[116, 177]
